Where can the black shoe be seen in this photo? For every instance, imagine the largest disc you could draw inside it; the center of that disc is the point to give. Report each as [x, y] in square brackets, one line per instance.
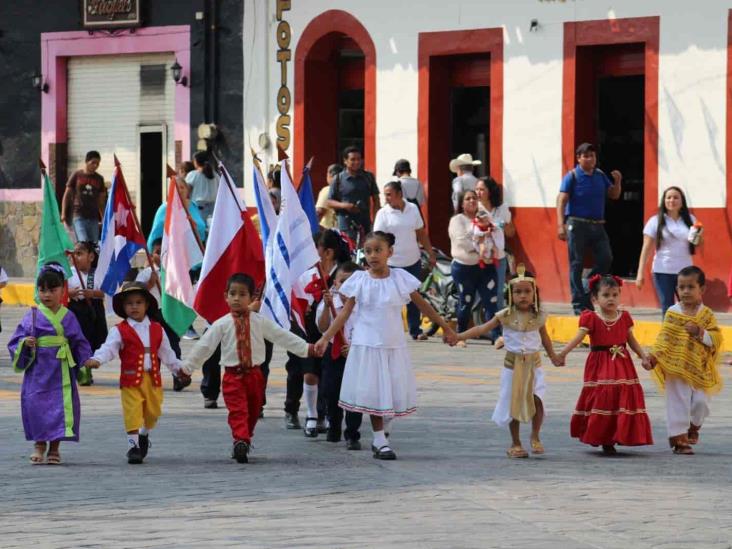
[179, 385]
[210, 404]
[353, 444]
[384, 452]
[144, 445]
[241, 451]
[321, 426]
[292, 421]
[134, 455]
[333, 435]
[261, 413]
[310, 432]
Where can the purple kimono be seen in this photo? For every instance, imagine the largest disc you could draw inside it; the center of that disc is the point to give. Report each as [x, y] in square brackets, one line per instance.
[49, 398]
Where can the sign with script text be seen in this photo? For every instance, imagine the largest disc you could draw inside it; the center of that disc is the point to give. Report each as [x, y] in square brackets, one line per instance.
[109, 14]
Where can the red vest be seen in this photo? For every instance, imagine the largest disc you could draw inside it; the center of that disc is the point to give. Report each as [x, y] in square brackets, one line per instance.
[132, 355]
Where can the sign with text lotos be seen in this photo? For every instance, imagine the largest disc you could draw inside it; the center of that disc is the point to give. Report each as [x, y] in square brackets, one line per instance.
[284, 98]
[107, 14]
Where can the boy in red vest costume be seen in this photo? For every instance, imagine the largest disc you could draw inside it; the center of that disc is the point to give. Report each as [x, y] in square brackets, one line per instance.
[241, 334]
[141, 345]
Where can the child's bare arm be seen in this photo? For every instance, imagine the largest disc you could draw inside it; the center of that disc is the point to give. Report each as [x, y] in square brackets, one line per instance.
[339, 322]
[477, 331]
[546, 342]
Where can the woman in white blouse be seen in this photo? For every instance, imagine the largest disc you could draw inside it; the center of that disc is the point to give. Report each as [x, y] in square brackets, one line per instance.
[669, 232]
[402, 219]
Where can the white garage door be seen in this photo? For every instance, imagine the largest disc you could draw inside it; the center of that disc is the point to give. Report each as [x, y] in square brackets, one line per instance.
[111, 100]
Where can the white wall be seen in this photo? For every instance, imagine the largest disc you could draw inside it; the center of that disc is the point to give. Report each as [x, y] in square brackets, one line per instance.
[692, 82]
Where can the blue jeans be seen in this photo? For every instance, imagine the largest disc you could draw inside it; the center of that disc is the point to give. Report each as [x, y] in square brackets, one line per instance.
[665, 290]
[583, 235]
[469, 280]
[86, 230]
[414, 316]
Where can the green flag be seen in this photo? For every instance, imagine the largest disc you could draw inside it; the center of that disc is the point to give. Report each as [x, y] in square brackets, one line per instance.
[54, 241]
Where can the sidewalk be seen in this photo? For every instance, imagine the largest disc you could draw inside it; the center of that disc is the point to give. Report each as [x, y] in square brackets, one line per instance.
[561, 324]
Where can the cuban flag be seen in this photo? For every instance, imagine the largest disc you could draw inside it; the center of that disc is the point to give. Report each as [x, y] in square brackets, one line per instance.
[121, 237]
[290, 252]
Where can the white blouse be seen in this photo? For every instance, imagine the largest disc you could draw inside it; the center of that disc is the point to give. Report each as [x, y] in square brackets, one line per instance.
[673, 254]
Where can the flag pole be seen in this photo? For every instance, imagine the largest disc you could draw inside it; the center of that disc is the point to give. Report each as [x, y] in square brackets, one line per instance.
[172, 176]
[225, 176]
[137, 223]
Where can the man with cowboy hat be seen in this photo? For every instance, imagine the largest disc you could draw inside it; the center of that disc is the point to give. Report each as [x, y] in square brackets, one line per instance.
[465, 180]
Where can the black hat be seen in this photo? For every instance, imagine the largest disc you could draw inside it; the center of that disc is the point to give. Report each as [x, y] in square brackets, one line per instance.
[118, 301]
[585, 148]
[401, 166]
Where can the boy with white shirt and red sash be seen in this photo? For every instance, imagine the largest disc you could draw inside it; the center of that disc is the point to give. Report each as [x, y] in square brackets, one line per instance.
[241, 334]
[141, 345]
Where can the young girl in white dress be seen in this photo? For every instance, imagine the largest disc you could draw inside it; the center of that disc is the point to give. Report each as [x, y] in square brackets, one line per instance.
[378, 378]
[522, 379]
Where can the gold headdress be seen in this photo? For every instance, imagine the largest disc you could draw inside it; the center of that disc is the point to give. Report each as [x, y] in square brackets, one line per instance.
[521, 277]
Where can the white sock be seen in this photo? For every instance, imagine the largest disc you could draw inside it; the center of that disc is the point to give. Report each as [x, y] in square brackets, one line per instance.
[380, 439]
[145, 431]
[310, 393]
[133, 440]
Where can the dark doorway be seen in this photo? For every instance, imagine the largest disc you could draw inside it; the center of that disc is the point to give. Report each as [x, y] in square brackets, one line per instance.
[151, 176]
[620, 141]
[470, 113]
[350, 121]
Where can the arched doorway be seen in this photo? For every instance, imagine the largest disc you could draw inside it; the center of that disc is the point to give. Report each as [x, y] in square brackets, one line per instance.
[335, 92]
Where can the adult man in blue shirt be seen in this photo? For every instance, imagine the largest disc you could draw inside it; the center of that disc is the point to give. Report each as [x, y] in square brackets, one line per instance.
[581, 219]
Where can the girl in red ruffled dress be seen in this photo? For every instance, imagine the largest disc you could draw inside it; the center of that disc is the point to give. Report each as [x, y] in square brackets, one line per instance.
[611, 408]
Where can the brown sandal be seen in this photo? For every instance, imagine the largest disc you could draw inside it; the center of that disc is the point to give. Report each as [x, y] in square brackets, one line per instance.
[683, 450]
[36, 458]
[53, 458]
[693, 434]
[537, 447]
[517, 452]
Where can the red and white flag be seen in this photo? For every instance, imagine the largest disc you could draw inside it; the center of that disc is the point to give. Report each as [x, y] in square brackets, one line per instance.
[233, 246]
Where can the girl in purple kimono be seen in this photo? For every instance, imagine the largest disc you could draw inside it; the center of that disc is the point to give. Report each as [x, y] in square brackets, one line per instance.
[46, 346]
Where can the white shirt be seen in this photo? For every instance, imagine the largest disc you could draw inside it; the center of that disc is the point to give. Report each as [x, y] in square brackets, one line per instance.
[403, 224]
[501, 217]
[144, 277]
[223, 332]
[673, 254]
[412, 189]
[521, 341]
[338, 305]
[3, 275]
[111, 347]
[460, 184]
[203, 189]
[75, 283]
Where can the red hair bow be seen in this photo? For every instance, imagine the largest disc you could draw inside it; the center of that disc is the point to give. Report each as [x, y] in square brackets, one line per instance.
[594, 279]
[315, 288]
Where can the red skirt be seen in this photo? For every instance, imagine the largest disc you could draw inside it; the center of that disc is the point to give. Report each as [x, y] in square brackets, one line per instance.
[611, 408]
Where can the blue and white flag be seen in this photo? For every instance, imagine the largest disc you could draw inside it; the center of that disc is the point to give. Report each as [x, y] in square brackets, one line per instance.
[120, 236]
[267, 214]
[289, 253]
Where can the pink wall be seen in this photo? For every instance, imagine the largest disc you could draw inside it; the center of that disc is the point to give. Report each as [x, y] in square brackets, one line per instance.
[57, 47]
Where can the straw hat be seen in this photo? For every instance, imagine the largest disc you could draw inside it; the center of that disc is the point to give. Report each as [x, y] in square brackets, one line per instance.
[118, 301]
[465, 159]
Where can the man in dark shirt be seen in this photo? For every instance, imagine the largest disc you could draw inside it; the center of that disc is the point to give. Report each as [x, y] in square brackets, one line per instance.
[581, 219]
[84, 200]
[354, 196]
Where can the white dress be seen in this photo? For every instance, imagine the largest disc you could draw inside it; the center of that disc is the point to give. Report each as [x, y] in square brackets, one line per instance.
[378, 377]
[520, 338]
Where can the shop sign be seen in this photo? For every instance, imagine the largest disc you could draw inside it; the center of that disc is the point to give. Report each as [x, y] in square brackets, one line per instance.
[284, 97]
[106, 14]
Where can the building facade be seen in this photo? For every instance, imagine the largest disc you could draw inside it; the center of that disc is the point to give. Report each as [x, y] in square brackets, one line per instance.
[517, 84]
[82, 75]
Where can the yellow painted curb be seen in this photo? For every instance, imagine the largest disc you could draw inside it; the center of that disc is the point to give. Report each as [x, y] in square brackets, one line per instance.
[18, 294]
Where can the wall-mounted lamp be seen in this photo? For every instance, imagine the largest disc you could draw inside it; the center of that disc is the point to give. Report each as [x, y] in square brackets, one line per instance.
[38, 82]
[176, 70]
[534, 25]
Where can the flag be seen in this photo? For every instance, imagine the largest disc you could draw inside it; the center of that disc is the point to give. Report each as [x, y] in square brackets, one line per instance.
[54, 241]
[233, 247]
[307, 201]
[178, 253]
[120, 236]
[290, 253]
[267, 214]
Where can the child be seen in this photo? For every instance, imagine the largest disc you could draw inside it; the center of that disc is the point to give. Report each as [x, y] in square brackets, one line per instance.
[141, 345]
[487, 238]
[241, 335]
[46, 347]
[611, 408]
[3, 283]
[686, 354]
[87, 302]
[522, 379]
[334, 360]
[378, 378]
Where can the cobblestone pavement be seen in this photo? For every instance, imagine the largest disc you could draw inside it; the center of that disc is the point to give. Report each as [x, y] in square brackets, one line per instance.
[451, 487]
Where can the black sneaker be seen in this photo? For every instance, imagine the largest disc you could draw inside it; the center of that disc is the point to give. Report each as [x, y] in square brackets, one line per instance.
[134, 455]
[241, 451]
[353, 444]
[292, 421]
[144, 445]
[333, 435]
[310, 432]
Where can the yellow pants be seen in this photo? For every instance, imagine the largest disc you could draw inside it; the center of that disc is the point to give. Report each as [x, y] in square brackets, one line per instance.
[142, 406]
